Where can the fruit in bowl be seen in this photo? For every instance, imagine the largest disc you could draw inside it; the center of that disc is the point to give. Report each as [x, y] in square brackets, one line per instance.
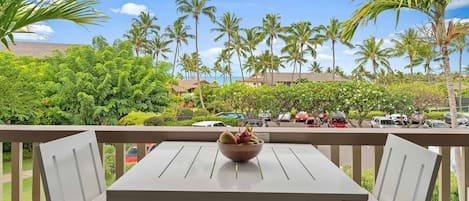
[240, 147]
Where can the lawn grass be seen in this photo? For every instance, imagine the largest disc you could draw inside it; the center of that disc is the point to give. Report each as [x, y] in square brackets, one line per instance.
[27, 190]
[27, 165]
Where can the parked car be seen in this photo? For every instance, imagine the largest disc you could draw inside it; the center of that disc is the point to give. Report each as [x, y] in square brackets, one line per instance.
[255, 123]
[460, 118]
[337, 122]
[416, 118]
[383, 122]
[236, 115]
[374, 120]
[284, 116]
[131, 153]
[209, 124]
[399, 119]
[312, 122]
[431, 123]
[301, 116]
[265, 115]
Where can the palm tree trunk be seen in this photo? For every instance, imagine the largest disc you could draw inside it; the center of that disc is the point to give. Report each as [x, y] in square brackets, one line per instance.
[427, 66]
[272, 62]
[333, 60]
[411, 69]
[240, 66]
[197, 63]
[460, 80]
[302, 55]
[175, 58]
[293, 73]
[156, 60]
[375, 67]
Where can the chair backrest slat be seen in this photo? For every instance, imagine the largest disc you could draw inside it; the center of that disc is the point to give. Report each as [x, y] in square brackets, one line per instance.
[71, 169]
[407, 172]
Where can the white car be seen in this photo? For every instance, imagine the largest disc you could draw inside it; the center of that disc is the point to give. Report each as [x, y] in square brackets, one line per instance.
[284, 116]
[383, 122]
[399, 119]
[210, 124]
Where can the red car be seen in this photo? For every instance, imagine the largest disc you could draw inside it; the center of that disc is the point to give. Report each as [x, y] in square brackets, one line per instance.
[337, 122]
[301, 116]
[131, 154]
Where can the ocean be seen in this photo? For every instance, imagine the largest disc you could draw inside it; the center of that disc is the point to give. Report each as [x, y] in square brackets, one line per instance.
[220, 79]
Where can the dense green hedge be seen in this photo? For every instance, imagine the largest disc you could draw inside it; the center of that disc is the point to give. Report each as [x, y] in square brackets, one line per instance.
[434, 115]
[353, 114]
[135, 118]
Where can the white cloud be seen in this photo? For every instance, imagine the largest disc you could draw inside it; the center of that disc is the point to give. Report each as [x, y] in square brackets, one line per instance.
[325, 57]
[131, 9]
[37, 32]
[349, 51]
[458, 4]
[211, 54]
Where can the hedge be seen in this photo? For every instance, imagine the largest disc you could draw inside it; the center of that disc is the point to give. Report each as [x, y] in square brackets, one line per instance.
[434, 115]
[135, 118]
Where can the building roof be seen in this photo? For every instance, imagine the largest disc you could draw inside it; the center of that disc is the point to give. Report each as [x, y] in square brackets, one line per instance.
[35, 49]
[281, 77]
[178, 89]
[190, 84]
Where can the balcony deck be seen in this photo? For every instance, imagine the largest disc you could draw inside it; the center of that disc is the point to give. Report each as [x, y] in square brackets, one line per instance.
[356, 137]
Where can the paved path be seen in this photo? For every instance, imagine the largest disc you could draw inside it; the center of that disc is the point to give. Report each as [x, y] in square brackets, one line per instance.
[26, 174]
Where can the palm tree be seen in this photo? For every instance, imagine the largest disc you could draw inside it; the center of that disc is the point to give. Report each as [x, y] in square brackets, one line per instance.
[272, 29]
[17, 15]
[435, 10]
[315, 67]
[137, 37]
[158, 45]
[225, 58]
[228, 25]
[372, 51]
[427, 52]
[303, 34]
[459, 44]
[408, 43]
[294, 54]
[179, 34]
[195, 8]
[204, 70]
[146, 22]
[332, 33]
[360, 73]
[237, 46]
[217, 68]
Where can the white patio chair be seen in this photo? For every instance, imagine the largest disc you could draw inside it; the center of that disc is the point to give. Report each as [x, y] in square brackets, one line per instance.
[71, 168]
[407, 172]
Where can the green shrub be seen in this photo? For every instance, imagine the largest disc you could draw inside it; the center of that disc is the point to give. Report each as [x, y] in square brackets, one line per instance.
[185, 112]
[168, 117]
[354, 115]
[434, 115]
[155, 121]
[135, 118]
[201, 112]
[227, 121]
[179, 123]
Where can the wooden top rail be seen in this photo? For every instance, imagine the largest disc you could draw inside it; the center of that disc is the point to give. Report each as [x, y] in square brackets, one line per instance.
[317, 136]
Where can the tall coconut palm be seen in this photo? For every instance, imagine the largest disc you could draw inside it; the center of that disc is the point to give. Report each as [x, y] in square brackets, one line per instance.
[237, 46]
[146, 22]
[196, 8]
[158, 45]
[305, 37]
[178, 32]
[332, 32]
[251, 39]
[294, 55]
[204, 70]
[371, 50]
[459, 44]
[360, 73]
[137, 37]
[435, 10]
[408, 43]
[272, 28]
[228, 25]
[17, 15]
[427, 54]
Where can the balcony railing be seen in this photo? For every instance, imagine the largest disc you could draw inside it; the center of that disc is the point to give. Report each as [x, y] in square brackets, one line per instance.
[356, 137]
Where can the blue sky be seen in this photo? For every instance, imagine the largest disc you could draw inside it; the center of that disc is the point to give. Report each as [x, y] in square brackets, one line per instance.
[317, 12]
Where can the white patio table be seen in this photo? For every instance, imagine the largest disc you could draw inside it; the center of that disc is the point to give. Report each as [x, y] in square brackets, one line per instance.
[197, 171]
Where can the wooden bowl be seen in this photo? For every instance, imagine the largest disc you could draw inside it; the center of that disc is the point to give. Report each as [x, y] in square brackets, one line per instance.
[240, 152]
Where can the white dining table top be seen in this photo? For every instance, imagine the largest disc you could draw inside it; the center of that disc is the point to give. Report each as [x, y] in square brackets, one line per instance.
[199, 171]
